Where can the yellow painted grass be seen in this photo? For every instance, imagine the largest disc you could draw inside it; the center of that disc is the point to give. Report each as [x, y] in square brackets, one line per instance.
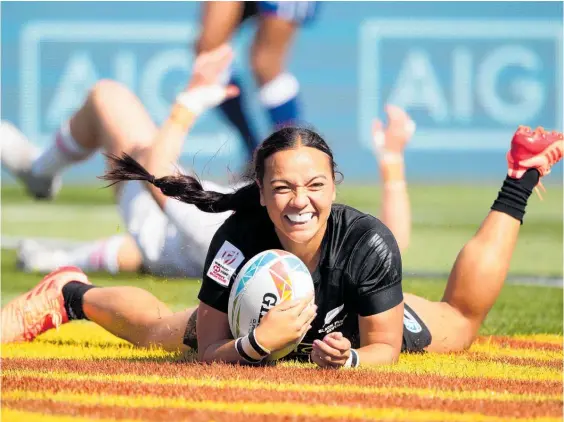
[88, 341]
[496, 351]
[266, 408]
[281, 387]
[12, 415]
[542, 338]
[459, 366]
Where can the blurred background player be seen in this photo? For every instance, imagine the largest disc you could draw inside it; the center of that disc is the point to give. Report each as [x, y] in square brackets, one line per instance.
[277, 23]
[164, 237]
[174, 242]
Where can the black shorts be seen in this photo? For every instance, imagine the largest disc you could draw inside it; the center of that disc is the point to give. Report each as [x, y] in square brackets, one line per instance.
[416, 335]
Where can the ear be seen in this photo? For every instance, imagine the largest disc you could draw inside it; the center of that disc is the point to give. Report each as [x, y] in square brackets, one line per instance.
[334, 198]
[261, 194]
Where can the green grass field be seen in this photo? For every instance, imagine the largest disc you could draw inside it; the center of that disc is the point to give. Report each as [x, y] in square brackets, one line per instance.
[444, 218]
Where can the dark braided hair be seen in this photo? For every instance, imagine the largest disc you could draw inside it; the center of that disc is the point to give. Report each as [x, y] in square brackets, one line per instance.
[189, 189]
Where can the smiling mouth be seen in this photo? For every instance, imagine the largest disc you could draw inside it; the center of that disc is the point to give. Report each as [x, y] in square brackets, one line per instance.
[299, 219]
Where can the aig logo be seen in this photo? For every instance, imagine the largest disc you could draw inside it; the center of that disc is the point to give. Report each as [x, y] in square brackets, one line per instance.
[468, 84]
[61, 61]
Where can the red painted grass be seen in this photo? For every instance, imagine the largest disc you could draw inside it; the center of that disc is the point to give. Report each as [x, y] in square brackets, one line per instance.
[286, 375]
[515, 360]
[514, 343]
[516, 408]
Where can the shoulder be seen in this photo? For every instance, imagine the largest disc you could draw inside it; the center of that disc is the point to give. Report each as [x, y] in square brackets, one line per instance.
[362, 239]
[351, 225]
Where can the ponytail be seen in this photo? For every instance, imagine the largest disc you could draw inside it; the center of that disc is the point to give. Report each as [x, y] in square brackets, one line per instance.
[184, 188]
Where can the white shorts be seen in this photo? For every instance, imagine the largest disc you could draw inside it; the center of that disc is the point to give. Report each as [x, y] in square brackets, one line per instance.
[173, 243]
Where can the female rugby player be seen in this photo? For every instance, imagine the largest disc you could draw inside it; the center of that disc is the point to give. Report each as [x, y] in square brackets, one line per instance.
[353, 258]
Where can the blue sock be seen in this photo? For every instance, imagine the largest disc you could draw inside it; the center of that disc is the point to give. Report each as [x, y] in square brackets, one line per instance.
[285, 114]
[233, 110]
[280, 98]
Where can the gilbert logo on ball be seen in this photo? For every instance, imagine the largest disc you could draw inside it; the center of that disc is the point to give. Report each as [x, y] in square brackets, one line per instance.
[266, 280]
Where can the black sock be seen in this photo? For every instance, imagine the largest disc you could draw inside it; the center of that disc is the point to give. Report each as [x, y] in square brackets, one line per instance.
[514, 193]
[73, 293]
[234, 111]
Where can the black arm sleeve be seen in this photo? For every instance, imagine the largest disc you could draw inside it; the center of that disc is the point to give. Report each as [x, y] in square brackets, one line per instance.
[376, 273]
[216, 288]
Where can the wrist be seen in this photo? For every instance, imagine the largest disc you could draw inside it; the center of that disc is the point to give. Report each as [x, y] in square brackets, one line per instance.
[182, 116]
[261, 338]
[201, 98]
[353, 361]
[250, 349]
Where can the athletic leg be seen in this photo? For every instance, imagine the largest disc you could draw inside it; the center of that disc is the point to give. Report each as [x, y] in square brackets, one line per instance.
[128, 312]
[278, 89]
[219, 22]
[481, 267]
[114, 254]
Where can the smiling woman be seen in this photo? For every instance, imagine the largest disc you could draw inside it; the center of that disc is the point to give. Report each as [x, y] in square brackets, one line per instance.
[359, 313]
[353, 257]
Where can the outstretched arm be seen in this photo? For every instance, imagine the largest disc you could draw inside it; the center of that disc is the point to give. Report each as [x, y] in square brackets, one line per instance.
[204, 91]
[389, 144]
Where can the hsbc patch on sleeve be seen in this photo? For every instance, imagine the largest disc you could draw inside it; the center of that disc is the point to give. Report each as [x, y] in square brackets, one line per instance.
[226, 261]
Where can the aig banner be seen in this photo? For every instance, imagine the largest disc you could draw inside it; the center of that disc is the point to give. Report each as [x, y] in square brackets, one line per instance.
[466, 82]
[468, 72]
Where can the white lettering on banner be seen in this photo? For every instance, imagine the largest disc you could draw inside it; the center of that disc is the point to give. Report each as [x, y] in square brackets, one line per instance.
[470, 82]
[530, 92]
[142, 55]
[79, 76]
[417, 85]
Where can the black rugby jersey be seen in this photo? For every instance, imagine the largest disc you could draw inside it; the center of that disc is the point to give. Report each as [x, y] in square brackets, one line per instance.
[359, 271]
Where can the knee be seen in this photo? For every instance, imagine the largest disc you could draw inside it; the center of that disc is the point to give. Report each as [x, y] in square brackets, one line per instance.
[467, 328]
[106, 92]
[266, 64]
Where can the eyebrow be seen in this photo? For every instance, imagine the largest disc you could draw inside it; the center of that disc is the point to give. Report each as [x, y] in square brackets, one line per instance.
[309, 181]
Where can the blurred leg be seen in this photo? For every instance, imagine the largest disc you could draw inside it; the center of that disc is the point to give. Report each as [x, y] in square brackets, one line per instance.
[113, 254]
[278, 89]
[219, 22]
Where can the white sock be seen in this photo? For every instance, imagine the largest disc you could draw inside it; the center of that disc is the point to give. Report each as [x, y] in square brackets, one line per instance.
[64, 152]
[97, 256]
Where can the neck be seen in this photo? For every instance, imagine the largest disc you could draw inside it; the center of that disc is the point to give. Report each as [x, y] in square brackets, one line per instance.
[308, 252]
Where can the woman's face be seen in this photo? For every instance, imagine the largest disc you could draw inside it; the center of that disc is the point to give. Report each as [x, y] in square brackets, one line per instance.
[298, 190]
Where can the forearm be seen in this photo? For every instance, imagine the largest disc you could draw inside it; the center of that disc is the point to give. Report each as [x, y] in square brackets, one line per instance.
[396, 209]
[222, 352]
[169, 141]
[165, 151]
[378, 354]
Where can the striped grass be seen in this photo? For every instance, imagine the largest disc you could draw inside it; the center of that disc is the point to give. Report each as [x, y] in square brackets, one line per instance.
[338, 412]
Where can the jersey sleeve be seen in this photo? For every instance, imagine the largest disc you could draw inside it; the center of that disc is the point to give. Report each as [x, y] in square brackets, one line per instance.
[223, 261]
[376, 272]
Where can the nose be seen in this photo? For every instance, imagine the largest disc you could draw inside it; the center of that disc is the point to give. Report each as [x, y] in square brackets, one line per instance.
[300, 199]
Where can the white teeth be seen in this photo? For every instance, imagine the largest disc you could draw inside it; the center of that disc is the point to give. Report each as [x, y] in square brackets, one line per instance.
[300, 218]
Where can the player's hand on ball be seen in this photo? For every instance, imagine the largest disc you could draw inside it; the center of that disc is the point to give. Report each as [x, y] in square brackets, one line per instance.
[205, 89]
[286, 323]
[331, 352]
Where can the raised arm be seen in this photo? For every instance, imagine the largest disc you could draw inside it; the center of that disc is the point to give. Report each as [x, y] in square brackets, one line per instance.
[389, 144]
[204, 91]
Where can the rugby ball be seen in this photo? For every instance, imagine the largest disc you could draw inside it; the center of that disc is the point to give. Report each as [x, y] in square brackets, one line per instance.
[266, 280]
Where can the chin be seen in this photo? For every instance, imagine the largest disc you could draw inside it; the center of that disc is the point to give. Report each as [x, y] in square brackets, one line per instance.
[303, 236]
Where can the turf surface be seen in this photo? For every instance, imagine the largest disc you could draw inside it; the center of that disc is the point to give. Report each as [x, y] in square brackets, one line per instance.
[81, 372]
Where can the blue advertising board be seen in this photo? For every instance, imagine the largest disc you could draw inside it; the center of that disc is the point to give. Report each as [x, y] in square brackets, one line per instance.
[468, 72]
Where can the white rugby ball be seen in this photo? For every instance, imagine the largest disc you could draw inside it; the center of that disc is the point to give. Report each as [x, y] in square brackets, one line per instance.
[266, 280]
